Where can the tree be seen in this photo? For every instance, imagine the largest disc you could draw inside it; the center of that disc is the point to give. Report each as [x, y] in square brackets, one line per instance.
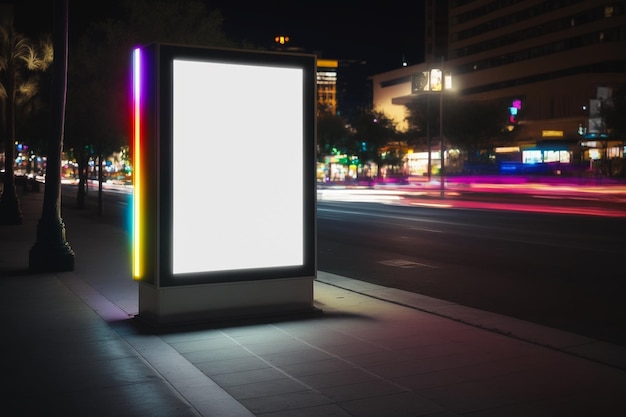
[613, 116]
[423, 115]
[332, 133]
[98, 88]
[472, 126]
[374, 130]
[476, 126]
[423, 122]
[89, 103]
[20, 57]
[613, 113]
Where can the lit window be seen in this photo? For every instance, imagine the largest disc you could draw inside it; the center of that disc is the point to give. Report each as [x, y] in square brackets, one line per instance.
[594, 154]
[613, 152]
[532, 157]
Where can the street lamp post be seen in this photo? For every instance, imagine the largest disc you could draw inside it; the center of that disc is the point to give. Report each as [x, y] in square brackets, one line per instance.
[441, 136]
[438, 83]
[430, 163]
[434, 80]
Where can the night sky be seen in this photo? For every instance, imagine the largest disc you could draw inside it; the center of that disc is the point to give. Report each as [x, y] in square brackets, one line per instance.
[382, 34]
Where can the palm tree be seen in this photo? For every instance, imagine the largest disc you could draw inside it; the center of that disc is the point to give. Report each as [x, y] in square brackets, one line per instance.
[19, 57]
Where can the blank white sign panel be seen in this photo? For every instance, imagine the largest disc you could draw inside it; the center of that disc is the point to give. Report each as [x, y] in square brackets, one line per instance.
[237, 167]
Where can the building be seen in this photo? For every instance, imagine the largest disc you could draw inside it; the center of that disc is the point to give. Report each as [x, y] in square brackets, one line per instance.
[327, 84]
[555, 62]
[326, 77]
[435, 30]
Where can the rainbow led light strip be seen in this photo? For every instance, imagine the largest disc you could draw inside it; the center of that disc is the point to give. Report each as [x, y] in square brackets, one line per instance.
[137, 250]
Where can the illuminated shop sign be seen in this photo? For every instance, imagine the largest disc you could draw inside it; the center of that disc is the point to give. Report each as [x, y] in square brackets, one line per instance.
[204, 121]
[514, 109]
[552, 133]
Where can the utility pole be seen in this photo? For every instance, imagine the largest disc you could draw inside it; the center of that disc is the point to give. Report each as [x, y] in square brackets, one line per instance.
[430, 163]
[443, 146]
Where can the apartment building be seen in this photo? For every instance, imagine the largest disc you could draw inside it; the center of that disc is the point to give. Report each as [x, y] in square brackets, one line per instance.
[556, 61]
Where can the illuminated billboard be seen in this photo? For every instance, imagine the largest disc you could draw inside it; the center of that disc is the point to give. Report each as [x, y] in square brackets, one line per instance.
[224, 165]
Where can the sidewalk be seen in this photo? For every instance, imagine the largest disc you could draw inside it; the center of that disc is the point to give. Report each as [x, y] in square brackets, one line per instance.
[71, 347]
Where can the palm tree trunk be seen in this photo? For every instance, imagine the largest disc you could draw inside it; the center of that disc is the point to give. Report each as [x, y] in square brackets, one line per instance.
[51, 252]
[83, 180]
[10, 211]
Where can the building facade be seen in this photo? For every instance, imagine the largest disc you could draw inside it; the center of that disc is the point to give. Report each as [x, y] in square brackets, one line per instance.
[327, 84]
[556, 62]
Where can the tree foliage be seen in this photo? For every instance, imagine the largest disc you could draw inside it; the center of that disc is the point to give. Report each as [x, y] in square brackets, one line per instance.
[476, 126]
[100, 60]
[22, 62]
[614, 113]
[373, 131]
[423, 116]
[369, 137]
[98, 82]
[21, 59]
[472, 126]
[332, 133]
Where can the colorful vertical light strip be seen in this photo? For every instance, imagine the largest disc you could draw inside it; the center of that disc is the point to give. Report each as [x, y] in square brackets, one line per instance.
[137, 169]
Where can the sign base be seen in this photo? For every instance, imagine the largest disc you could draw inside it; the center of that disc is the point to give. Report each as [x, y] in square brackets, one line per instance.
[225, 301]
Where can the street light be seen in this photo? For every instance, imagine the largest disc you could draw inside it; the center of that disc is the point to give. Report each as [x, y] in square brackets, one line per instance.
[440, 81]
[435, 80]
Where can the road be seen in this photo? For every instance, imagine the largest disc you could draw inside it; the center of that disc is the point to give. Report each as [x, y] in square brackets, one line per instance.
[560, 270]
[561, 265]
